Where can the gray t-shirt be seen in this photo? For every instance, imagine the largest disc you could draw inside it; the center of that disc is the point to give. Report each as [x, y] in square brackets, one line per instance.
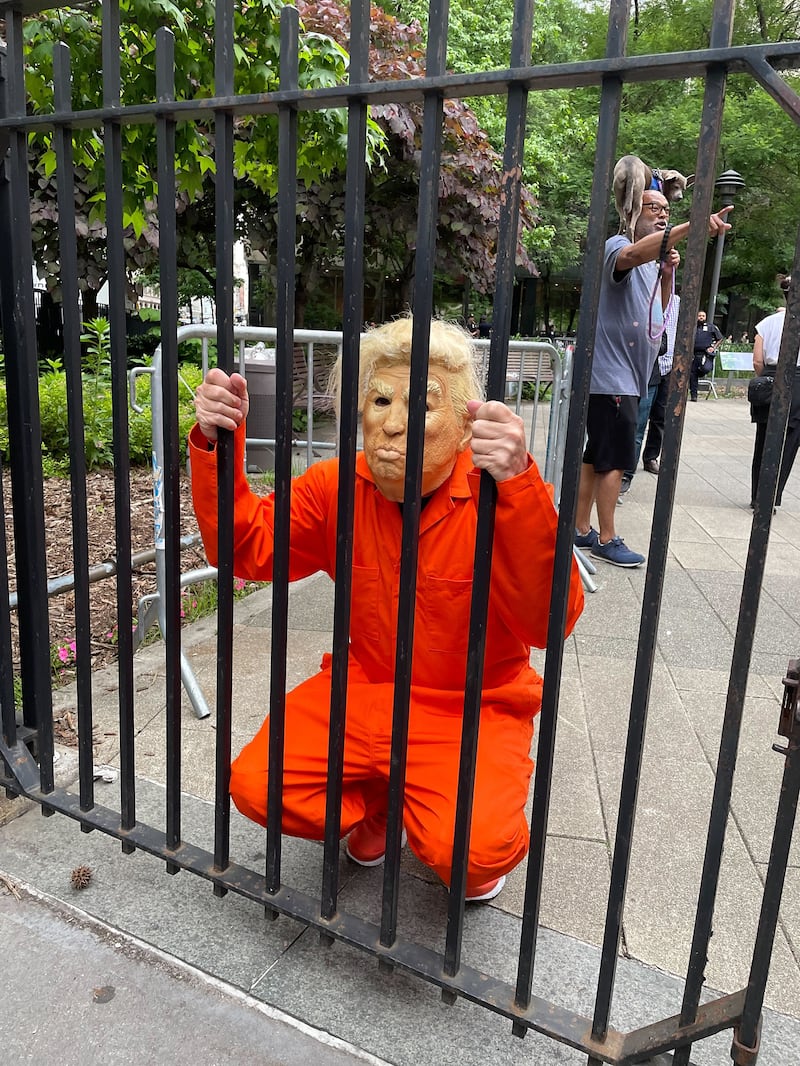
[623, 352]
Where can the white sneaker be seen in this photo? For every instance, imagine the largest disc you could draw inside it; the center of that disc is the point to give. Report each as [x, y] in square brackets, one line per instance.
[487, 891]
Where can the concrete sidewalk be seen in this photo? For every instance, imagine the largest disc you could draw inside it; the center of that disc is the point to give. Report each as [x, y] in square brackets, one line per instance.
[339, 991]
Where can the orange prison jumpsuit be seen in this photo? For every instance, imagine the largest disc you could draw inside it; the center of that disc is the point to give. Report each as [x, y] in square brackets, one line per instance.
[524, 545]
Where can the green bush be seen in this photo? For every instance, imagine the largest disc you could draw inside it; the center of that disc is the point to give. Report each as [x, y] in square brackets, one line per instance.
[97, 413]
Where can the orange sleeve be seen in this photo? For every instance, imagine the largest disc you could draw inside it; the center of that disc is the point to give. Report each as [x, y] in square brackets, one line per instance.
[523, 554]
[253, 515]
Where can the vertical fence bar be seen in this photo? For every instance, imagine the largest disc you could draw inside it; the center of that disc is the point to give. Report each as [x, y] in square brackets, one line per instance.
[8, 716]
[170, 535]
[428, 202]
[353, 309]
[19, 328]
[310, 405]
[651, 600]
[742, 653]
[608, 125]
[284, 359]
[224, 218]
[511, 183]
[112, 140]
[747, 1034]
[70, 308]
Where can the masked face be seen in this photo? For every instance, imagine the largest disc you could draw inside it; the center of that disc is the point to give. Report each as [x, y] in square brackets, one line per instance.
[385, 428]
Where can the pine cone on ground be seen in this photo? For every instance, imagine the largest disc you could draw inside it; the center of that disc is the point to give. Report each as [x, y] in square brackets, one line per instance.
[81, 876]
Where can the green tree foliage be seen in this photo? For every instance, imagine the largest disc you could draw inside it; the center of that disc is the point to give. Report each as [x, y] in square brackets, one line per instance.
[560, 139]
[471, 169]
[321, 143]
[659, 122]
[469, 185]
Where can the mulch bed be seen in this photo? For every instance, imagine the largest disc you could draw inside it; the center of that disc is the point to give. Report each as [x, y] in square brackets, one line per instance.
[102, 594]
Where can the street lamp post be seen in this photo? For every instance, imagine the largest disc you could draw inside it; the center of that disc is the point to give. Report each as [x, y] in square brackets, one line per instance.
[727, 185]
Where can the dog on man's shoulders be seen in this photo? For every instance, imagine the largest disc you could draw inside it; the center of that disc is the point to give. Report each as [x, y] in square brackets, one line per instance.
[631, 178]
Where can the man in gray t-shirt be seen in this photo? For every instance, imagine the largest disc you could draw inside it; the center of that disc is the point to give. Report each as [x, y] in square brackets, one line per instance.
[633, 295]
[624, 352]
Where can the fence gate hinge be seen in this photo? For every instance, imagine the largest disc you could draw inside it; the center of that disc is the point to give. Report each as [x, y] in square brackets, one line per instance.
[788, 720]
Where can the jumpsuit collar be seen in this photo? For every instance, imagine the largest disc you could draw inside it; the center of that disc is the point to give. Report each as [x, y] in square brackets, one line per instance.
[441, 502]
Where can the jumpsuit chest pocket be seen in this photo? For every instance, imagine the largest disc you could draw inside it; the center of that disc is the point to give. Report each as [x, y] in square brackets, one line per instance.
[443, 614]
[364, 604]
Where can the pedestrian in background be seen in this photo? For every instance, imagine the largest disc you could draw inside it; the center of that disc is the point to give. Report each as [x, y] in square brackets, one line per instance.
[653, 407]
[706, 340]
[765, 356]
[635, 287]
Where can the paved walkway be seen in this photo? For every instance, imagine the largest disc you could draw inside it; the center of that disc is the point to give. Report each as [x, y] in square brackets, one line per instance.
[342, 993]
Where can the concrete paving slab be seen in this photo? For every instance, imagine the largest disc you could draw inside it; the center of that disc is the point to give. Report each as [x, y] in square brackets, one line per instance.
[574, 807]
[178, 914]
[790, 910]
[665, 878]
[617, 614]
[564, 968]
[714, 557]
[117, 1001]
[723, 524]
[576, 878]
[703, 682]
[685, 527]
[609, 712]
[784, 588]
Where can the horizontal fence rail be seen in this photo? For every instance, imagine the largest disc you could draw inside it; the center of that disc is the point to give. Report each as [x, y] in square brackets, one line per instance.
[27, 742]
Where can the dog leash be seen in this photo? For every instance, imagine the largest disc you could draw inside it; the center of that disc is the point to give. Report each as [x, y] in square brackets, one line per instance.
[662, 259]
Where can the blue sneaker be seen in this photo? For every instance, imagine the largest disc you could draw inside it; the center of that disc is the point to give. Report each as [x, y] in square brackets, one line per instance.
[615, 552]
[587, 540]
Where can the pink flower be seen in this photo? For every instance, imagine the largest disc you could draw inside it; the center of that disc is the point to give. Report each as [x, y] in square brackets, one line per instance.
[63, 654]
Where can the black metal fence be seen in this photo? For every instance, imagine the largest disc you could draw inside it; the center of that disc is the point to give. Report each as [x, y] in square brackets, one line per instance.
[27, 747]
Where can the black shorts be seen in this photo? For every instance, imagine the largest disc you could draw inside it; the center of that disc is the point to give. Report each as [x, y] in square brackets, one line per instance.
[611, 432]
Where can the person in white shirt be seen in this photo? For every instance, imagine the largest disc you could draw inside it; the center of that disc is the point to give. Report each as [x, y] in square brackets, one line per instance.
[765, 354]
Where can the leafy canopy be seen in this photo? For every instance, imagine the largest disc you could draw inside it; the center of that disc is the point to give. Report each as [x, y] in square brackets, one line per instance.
[321, 145]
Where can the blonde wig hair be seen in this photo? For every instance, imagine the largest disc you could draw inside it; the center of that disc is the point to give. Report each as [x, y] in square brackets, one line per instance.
[450, 349]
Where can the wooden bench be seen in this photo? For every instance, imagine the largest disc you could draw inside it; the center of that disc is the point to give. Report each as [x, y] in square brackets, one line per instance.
[324, 358]
[537, 369]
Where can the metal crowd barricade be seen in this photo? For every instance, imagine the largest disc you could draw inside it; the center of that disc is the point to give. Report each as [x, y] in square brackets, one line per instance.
[541, 363]
[152, 607]
[537, 363]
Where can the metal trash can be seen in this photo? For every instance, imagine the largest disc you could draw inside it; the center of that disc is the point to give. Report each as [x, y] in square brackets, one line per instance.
[260, 374]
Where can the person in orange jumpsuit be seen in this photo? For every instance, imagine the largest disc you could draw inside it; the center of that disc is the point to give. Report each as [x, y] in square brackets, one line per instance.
[463, 435]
